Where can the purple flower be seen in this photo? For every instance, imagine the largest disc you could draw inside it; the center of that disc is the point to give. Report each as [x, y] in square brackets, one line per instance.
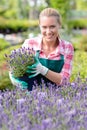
[18, 61]
[42, 109]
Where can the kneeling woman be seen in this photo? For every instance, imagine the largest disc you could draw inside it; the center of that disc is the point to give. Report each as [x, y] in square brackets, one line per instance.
[54, 56]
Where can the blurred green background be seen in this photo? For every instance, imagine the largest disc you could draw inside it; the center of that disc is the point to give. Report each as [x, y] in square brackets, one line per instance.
[19, 20]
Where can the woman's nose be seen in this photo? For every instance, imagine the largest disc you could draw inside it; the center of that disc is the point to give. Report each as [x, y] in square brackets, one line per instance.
[48, 30]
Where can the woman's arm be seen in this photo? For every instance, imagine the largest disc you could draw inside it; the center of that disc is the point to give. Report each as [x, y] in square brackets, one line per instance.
[54, 77]
[59, 78]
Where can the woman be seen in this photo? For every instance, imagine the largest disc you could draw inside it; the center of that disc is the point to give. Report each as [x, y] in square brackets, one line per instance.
[54, 56]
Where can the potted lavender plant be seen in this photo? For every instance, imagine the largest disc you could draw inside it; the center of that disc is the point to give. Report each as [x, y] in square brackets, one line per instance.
[18, 61]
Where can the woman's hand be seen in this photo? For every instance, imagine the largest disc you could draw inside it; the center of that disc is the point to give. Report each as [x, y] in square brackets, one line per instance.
[36, 68]
[16, 82]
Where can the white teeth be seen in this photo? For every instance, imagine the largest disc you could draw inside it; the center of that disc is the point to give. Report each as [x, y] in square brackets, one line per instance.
[49, 36]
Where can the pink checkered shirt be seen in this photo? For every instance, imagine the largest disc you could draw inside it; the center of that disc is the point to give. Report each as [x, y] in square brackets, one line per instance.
[65, 48]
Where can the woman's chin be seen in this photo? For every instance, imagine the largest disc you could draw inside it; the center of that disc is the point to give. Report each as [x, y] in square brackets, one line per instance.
[49, 40]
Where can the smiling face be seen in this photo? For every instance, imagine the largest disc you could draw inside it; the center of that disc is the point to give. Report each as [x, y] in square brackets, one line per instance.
[49, 28]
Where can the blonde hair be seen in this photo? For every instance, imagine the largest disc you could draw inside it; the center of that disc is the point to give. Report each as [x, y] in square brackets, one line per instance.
[50, 12]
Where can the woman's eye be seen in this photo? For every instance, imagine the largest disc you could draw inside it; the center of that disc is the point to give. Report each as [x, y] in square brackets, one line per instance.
[52, 27]
[44, 27]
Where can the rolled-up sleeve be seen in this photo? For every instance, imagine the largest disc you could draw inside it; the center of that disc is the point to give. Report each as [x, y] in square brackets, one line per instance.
[68, 62]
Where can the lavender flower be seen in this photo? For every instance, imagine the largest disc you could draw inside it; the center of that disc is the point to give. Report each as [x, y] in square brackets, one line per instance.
[18, 61]
[43, 109]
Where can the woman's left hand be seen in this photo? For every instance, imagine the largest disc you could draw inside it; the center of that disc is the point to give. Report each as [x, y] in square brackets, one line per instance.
[36, 68]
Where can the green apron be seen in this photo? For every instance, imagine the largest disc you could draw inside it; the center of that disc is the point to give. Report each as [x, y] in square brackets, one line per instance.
[54, 65]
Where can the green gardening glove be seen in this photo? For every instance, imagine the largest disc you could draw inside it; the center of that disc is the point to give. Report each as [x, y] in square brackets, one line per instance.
[16, 82]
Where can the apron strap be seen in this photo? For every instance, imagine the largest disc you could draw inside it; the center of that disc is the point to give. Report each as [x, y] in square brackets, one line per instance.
[37, 54]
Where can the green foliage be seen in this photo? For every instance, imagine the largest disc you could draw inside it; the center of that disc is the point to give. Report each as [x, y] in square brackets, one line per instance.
[10, 14]
[9, 9]
[14, 26]
[81, 4]
[83, 43]
[80, 42]
[63, 7]
[79, 65]
[5, 82]
[77, 23]
[3, 44]
[3, 10]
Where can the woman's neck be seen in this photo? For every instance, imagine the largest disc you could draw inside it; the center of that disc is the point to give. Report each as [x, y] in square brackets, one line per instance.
[49, 46]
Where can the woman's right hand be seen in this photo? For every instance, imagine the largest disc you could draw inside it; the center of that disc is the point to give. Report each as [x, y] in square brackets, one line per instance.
[18, 83]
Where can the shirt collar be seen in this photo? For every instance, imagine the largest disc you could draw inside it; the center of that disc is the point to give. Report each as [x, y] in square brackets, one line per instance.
[58, 48]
